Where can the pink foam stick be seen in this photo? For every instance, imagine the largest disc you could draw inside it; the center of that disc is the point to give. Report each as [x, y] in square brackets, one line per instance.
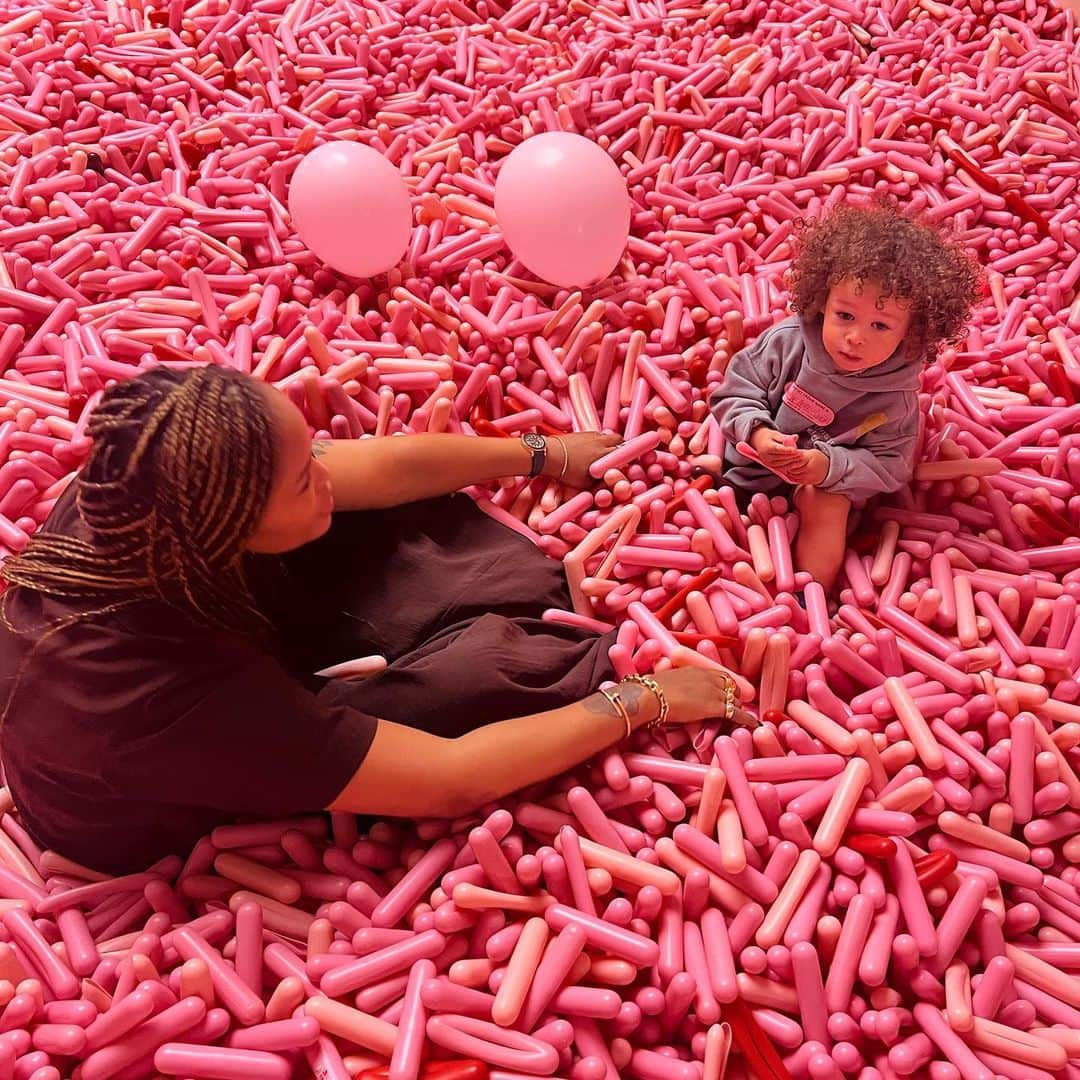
[409, 1046]
[718, 955]
[626, 867]
[748, 451]
[520, 972]
[811, 990]
[234, 993]
[1022, 767]
[392, 908]
[559, 957]
[618, 942]
[337, 1019]
[771, 931]
[144, 1039]
[914, 723]
[185, 1059]
[381, 963]
[277, 1036]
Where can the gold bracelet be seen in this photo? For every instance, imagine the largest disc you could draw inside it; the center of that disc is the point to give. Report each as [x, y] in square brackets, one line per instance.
[565, 457]
[650, 684]
[616, 703]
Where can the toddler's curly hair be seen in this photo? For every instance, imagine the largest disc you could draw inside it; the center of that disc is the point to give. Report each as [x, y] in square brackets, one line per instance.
[907, 258]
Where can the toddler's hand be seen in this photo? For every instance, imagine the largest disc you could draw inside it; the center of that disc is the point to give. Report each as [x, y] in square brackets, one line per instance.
[811, 469]
[773, 449]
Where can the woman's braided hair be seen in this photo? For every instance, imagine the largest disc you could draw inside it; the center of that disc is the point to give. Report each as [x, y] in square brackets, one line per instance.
[179, 473]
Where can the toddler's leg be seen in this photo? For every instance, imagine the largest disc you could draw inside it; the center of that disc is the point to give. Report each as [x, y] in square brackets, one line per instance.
[822, 535]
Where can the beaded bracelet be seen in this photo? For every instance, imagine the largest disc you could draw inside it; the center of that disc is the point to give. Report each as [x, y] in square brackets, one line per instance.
[616, 703]
[650, 684]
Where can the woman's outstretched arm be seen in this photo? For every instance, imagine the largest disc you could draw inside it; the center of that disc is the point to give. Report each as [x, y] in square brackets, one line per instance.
[368, 474]
[409, 773]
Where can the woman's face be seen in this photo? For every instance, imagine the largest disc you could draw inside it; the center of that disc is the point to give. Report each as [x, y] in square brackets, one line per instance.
[301, 500]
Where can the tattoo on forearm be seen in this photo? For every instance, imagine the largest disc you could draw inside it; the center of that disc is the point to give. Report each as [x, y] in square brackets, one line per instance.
[630, 693]
[597, 703]
[319, 447]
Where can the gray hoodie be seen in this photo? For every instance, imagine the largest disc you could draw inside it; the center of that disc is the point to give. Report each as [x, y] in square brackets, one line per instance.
[866, 424]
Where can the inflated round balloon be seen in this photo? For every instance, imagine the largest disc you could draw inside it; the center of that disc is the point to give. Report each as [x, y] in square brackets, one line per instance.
[351, 207]
[563, 208]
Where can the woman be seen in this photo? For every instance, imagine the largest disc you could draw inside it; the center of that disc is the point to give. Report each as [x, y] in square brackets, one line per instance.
[163, 627]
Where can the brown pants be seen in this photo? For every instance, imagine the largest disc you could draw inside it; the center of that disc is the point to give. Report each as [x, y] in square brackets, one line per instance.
[451, 598]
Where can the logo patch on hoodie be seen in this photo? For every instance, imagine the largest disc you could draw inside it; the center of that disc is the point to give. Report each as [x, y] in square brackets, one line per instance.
[797, 399]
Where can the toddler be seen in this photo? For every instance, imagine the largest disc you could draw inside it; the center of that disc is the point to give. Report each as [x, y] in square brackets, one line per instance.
[827, 401]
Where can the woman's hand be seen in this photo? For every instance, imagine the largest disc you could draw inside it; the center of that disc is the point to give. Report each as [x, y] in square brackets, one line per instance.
[695, 694]
[577, 452]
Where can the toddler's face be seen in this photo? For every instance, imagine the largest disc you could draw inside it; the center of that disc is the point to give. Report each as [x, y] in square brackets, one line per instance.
[861, 327]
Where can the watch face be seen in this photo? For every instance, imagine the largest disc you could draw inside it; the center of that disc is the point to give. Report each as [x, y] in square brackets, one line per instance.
[533, 441]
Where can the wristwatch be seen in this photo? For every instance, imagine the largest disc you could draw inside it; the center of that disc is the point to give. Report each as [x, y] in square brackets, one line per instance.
[537, 446]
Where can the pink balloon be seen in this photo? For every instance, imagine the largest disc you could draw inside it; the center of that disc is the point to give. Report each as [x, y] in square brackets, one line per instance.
[563, 208]
[351, 207]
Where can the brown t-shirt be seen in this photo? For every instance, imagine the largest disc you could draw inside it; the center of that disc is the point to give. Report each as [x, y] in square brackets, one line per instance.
[132, 734]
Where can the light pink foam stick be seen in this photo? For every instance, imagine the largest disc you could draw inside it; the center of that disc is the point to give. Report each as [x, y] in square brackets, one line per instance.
[520, 972]
[624, 521]
[958, 1007]
[627, 868]
[822, 727]
[337, 1019]
[838, 813]
[636, 948]
[1021, 792]
[560, 956]
[771, 931]
[625, 453]
[918, 731]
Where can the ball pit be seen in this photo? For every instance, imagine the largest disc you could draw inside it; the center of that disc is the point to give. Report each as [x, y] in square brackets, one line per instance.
[881, 880]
